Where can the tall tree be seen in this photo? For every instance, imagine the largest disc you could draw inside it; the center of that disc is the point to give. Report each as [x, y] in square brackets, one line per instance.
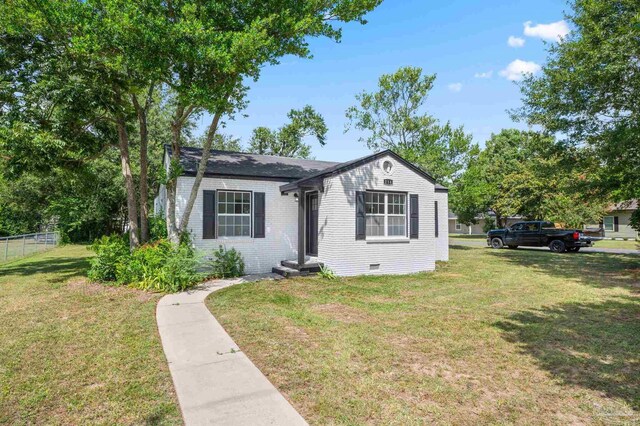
[589, 91]
[393, 117]
[288, 140]
[213, 49]
[115, 50]
[528, 174]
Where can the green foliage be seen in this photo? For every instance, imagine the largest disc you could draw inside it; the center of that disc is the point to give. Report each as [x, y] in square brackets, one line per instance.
[160, 266]
[327, 273]
[489, 224]
[589, 91]
[111, 251]
[392, 118]
[288, 141]
[227, 263]
[70, 71]
[220, 142]
[529, 174]
[157, 227]
[635, 219]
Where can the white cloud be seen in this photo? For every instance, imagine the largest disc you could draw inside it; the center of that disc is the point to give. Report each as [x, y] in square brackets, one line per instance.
[487, 74]
[455, 87]
[554, 31]
[516, 70]
[515, 41]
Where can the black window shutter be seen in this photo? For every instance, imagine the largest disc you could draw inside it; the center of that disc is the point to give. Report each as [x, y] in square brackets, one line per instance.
[258, 215]
[361, 221]
[209, 214]
[435, 203]
[413, 216]
[616, 224]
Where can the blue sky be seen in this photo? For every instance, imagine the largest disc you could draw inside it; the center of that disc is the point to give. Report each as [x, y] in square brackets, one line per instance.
[457, 40]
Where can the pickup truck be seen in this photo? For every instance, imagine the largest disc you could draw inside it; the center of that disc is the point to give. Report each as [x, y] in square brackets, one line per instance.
[538, 234]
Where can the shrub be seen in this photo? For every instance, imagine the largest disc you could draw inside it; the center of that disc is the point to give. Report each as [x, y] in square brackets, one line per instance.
[227, 263]
[489, 224]
[327, 273]
[157, 227]
[160, 266]
[110, 252]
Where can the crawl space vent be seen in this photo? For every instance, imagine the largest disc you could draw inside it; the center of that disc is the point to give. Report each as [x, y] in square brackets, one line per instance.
[374, 266]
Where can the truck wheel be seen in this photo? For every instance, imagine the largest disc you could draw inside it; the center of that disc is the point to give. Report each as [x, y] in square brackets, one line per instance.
[513, 247]
[496, 243]
[557, 246]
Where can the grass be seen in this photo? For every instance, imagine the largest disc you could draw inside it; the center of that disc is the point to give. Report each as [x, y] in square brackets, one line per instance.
[12, 249]
[619, 244]
[72, 352]
[525, 337]
[467, 237]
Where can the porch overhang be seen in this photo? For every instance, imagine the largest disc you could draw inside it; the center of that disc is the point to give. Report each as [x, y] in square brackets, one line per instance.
[303, 185]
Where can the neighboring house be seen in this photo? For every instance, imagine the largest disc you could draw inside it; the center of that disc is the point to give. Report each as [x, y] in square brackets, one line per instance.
[376, 214]
[616, 223]
[477, 228]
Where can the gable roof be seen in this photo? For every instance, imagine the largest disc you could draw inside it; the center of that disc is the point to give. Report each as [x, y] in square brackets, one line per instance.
[245, 165]
[346, 166]
[624, 205]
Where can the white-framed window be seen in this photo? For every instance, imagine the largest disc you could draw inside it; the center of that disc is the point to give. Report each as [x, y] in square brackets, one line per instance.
[386, 214]
[234, 214]
[458, 226]
[609, 223]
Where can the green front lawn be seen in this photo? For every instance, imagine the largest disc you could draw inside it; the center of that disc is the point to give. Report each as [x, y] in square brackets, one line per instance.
[620, 244]
[72, 352]
[526, 337]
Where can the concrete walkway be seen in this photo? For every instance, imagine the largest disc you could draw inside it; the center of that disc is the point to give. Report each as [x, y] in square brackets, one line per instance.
[216, 383]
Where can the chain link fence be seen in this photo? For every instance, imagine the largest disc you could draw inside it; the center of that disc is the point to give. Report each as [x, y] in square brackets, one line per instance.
[18, 246]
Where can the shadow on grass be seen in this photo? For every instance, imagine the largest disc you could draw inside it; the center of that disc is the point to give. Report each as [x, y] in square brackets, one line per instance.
[595, 346]
[457, 247]
[596, 269]
[62, 267]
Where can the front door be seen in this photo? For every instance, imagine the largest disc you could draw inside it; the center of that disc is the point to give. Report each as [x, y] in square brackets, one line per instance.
[312, 224]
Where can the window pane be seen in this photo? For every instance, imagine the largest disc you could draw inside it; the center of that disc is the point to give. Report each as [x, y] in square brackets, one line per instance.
[375, 226]
[234, 210]
[608, 223]
[396, 225]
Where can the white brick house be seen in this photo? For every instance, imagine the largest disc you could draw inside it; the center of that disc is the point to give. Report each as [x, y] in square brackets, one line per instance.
[377, 214]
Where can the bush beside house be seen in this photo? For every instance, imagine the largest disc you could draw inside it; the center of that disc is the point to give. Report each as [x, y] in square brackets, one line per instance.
[159, 265]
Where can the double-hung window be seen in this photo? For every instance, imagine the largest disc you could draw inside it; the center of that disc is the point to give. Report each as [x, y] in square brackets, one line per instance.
[386, 214]
[609, 223]
[234, 214]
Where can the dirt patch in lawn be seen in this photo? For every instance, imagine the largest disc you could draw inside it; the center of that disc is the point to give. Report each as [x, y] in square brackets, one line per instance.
[341, 312]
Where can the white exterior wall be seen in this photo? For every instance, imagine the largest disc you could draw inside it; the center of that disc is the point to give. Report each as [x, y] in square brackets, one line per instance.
[442, 242]
[281, 222]
[337, 246]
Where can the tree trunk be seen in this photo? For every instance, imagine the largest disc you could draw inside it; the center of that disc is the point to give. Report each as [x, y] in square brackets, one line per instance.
[202, 167]
[144, 164]
[176, 129]
[132, 208]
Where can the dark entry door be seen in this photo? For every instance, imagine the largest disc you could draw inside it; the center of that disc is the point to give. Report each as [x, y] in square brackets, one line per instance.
[312, 224]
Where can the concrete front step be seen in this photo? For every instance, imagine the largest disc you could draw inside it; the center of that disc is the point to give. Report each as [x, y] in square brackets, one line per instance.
[306, 267]
[287, 272]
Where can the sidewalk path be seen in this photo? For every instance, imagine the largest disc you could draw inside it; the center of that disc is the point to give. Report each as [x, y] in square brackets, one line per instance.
[596, 249]
[216, 383]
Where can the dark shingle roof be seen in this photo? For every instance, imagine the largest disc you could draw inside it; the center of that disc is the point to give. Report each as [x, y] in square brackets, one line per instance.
[242, 164]
[625, 205]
